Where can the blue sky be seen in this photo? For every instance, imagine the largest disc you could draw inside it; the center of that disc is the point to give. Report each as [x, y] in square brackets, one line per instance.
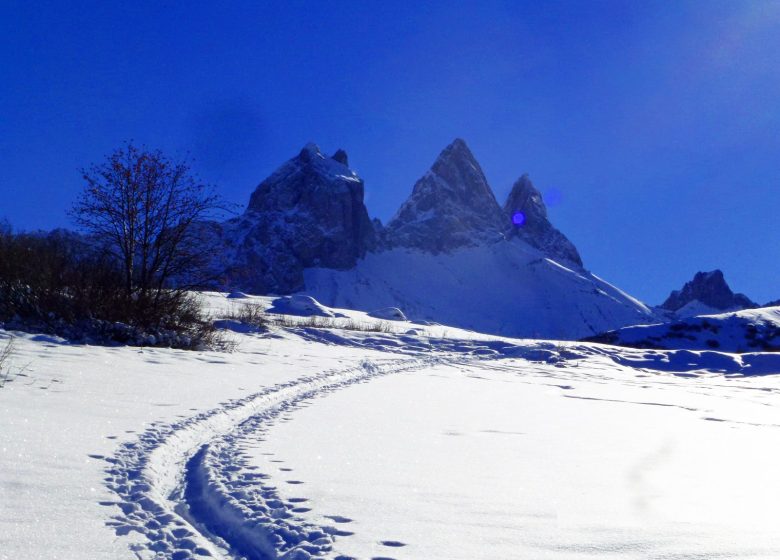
[655, 124]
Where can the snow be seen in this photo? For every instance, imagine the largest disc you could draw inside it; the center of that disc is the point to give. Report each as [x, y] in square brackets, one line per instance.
[436, 441]
[299, 304]
[506, 288]
[513, 461]
[389, 313]
[750, 330]
[694, 308]
[237, 295]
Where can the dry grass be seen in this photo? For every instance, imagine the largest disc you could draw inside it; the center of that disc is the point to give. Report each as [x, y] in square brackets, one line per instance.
[250, 314]
[318, 322]
[5, 362]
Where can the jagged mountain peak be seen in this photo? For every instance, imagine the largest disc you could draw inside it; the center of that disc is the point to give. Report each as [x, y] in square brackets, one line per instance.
[337, 164]
[527, 212]
[310, 169]
[524, 194]
[311, 149]
[451, 206]
[341, 157]
[306, 228]
[709, 288]
[456, 151]
[308, 213]
[459, 169]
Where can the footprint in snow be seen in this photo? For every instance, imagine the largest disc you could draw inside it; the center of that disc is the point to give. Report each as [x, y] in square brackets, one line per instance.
[338, 518]
[337, 532]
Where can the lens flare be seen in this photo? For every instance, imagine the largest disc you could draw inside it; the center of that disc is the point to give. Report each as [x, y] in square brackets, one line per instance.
[518, 219]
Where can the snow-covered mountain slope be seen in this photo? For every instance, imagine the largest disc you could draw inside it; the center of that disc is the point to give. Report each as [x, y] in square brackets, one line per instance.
[506, 288]
[750, 330]
[406, 442]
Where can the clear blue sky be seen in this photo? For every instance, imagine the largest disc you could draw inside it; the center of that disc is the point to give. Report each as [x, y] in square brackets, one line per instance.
[656, 123]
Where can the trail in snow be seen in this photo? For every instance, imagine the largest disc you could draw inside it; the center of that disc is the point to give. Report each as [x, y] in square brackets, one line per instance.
[169, 464]
[148, 476]
[187, 490]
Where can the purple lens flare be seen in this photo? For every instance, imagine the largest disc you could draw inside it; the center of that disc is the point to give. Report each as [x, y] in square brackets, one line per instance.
[518, 219]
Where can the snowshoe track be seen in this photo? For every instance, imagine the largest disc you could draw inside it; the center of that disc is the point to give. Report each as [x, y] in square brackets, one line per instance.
[169, 465]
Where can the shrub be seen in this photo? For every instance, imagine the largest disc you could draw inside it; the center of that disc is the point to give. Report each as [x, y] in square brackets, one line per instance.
[61, 283]
[249, 314]
[5, 366]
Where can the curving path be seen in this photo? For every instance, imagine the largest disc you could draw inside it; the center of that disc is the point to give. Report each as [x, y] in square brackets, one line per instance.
[194, 489]
[173, 493]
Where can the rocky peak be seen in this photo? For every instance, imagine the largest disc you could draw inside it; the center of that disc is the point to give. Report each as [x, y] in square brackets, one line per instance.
[308, 213]
[711, 289]
[308, 174]
[526, 211]
[451, 206]
[341, 157]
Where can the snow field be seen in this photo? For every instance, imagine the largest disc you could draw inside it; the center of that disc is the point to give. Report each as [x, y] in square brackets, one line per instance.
[66, 420]
[509, 459]
[516, 448]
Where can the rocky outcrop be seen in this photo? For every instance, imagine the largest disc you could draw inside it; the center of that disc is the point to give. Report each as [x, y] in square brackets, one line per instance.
[711, 289]
[308, 213]
[526, 211]
[451, 206]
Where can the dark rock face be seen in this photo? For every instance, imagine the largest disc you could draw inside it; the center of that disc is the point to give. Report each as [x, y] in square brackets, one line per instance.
[308, 213]
[451, 206]
[526, 210]
[341, 157]
[711, 289]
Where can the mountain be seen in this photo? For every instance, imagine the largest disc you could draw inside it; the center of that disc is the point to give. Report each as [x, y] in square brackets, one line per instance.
[507, 288]
[749, 330]
[451, 206]
[451, 253]
[526, 211]
[308, 213]
[708, 292]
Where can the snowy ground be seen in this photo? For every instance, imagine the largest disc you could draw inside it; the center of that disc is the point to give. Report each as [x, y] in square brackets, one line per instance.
[749, 330]
[425, 442]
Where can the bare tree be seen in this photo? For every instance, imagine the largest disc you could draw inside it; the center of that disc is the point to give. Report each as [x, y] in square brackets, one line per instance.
[146, 209]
